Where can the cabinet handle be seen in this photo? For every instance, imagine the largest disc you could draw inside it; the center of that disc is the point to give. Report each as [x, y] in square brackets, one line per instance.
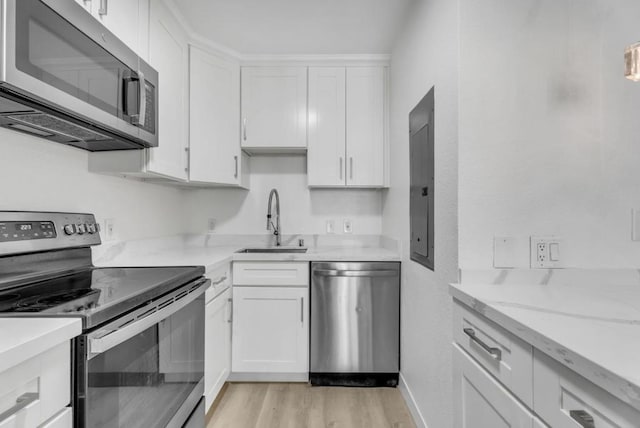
[244, 129]
[351, 168]
[583, 418]
[230, 300]
[340, 167]
[235, 175]
[21, 402]
[302, 310]
[495, 353]
[104, 7]
[220, 281]
[186, 168]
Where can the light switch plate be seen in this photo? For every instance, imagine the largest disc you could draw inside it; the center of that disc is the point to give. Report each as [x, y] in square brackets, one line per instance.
[109, 229]
[504, 252]
[331, 226]
[547, 252]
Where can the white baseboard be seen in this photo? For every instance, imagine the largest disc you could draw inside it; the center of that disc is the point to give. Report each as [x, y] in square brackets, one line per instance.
[411, 403]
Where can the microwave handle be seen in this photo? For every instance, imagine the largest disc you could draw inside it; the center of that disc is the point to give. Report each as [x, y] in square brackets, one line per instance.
[142, 108]
[100, 342]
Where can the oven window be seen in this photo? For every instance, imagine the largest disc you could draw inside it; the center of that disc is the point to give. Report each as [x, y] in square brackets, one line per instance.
[55, 52]
[145, 380]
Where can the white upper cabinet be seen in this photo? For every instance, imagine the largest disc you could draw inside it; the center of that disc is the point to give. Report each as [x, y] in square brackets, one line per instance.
[168, 54]
[365, 126]
[127, 19]
[214, 119]
[274, 109]
[326, 152]
[346, 127]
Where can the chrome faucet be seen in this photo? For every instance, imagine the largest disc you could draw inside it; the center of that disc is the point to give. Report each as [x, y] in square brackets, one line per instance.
[276, 227]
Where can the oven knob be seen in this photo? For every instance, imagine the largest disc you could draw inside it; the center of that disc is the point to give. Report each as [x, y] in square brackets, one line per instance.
[69, 229]
[91, 228]
[81, 229]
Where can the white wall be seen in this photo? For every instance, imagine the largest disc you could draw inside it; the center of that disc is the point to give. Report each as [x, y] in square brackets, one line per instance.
[426, 54]
[549, 129]
[303, 211]
[40, 175]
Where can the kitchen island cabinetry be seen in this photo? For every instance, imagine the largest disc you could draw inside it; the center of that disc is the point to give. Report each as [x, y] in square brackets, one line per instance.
[270, 321]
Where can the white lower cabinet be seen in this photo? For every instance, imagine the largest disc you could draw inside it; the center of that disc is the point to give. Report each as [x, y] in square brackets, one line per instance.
[270, 330]
[500, 381]
[35, 393]
[217, 345]
[481, 400]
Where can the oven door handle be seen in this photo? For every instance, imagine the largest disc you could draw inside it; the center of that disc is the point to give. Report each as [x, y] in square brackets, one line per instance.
[140, 320]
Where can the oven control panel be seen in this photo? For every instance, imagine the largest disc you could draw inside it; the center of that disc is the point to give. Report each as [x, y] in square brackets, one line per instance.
[22, 232]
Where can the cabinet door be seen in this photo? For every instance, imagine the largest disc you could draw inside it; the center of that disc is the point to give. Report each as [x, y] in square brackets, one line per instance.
[326, 164]
[127, 19]
[365, 126]
[217, 346]
[480, 401]
[274, 107]
[214, 136]
[270, 330]
[168, 55]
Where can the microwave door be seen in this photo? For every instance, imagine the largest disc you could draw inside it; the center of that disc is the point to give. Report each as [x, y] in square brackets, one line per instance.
[54, 60]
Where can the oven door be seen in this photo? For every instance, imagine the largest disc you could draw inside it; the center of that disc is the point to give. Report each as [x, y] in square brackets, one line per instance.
[56, 53]
[146, 368]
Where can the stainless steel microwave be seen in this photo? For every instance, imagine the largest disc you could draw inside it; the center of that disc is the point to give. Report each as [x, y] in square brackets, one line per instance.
[65, 77]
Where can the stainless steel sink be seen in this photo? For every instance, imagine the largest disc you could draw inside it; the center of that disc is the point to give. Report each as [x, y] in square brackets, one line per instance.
[273, 250]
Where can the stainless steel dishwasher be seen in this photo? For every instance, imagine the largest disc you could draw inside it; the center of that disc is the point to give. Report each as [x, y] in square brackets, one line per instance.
[355, 324]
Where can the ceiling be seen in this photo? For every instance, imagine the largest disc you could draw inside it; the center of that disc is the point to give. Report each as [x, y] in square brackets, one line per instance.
[298, 26]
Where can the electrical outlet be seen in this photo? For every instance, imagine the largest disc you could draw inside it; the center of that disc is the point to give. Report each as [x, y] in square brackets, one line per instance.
[211, 225]
[347, 226]
[547, 252]
[109, 229]
[331, 226]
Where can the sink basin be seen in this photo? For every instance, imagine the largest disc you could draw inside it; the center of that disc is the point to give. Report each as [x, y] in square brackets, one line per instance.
[273, 250]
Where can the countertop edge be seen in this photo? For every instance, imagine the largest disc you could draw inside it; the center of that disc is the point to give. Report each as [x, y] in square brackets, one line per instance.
[618, 386]
[53, 332]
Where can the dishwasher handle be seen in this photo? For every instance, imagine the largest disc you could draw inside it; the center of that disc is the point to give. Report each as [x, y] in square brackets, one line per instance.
[355, 273]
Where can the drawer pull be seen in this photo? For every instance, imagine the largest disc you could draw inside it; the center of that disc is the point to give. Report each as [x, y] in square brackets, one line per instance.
[583, 418]
[495, 353]
[21, 402]
[220, 281]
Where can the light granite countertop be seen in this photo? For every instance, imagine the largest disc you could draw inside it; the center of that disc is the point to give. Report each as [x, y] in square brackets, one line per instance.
[592, 328]
[24, 338]
[215, 251]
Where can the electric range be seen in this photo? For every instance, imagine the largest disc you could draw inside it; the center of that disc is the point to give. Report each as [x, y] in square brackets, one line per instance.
[140, 359]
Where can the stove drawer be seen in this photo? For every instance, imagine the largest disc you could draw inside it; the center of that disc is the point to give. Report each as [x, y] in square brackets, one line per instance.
[37, 389]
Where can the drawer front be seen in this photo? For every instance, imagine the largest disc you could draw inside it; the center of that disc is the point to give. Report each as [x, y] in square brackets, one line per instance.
[508, 358]
[64, 419]
[220, 281]
[271, 273]
[481, 401]
[42, 384]
[564, 399]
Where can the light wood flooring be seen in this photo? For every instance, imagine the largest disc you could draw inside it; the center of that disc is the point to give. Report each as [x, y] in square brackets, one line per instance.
[298, 405]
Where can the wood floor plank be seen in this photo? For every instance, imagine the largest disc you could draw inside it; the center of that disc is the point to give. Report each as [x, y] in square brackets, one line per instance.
[298, 405]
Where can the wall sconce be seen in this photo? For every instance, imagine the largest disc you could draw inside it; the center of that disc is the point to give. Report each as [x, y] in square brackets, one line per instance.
[632, 62]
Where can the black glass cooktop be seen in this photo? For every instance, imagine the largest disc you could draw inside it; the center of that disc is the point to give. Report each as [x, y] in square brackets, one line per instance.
[97, 294]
